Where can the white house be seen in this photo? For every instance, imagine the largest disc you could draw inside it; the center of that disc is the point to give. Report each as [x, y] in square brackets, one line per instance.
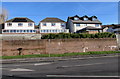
[19, 25]
[114, 28]
[52, 25]
[78, 24]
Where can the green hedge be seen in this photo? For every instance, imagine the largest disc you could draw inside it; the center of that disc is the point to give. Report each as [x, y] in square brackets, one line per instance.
[78, 35]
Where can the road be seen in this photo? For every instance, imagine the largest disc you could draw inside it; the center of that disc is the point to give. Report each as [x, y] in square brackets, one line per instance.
[91, 67]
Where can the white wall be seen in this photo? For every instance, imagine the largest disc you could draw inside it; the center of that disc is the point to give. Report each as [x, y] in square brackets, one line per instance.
[84, 26]
[16, 27]
[48, 26]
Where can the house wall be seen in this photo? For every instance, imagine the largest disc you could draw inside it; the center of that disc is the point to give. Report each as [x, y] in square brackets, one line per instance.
[84, 26]
[70, 26]
[48, 26]
[16, 27]
[53, 29]
[57, 46]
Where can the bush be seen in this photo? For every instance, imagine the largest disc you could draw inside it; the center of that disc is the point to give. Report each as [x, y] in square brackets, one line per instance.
[78, 35]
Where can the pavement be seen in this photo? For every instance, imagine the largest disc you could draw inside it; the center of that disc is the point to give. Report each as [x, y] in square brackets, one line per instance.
[51, 59]
[85, 67]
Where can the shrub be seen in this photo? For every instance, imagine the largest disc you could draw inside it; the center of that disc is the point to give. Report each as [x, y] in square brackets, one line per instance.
[78, 35]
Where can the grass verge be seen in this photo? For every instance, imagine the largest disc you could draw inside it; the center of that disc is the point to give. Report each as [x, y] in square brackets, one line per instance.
[59, 55]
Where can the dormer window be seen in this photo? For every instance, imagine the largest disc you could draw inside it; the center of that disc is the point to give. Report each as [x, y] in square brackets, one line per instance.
[85, 19]
[94, 19]
[76, 18]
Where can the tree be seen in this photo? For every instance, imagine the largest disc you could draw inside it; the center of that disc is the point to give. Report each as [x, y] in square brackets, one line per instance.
[3, 15]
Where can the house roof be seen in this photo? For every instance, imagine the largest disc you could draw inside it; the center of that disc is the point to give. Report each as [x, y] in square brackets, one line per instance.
[114, 26]
[50, 19]
[92, 28]
[20, 19]
[89, 28]
[88, 21]
[81, 19]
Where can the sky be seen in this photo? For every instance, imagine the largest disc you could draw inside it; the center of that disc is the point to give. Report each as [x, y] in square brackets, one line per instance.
[107, 12]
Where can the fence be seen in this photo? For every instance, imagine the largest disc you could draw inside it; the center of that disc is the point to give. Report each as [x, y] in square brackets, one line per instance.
[19, 36]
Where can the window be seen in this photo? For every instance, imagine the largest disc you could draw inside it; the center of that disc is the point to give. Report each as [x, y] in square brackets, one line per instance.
[28, 31]
[62, 30]
[24, 30]
[6, 31]
[20, 24]
[85, 24]
[53, 24]
[14, 31]
[31, 31]
[62, 24]
[55, 31]
[17, 30]
[76, 18]
[58, 31]
[94, 19]
[41, 31]
[85, 19]
[9, 24]
[50, 31]
[47, 31]
[30, 24]
[44, 24]
[21, 31]
[77, 25]
[96, 25]
[10, 30]
[34, 30]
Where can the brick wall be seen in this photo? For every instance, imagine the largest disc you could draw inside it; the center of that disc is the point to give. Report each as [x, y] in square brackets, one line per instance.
[57, 46]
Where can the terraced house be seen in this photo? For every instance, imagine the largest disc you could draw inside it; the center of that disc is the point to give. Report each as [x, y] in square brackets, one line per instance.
[83, 24]
[52, 25]
[19, 25]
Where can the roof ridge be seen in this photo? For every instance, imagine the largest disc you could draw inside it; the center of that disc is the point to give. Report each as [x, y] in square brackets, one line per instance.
[52, 19]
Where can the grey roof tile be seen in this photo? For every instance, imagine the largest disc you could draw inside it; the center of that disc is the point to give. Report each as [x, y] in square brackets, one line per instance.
[50, 19]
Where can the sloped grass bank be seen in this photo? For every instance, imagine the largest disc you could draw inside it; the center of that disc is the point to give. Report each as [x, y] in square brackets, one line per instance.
[60, 55]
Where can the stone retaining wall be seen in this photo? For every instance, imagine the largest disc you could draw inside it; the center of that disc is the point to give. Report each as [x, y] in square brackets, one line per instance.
[56, 46]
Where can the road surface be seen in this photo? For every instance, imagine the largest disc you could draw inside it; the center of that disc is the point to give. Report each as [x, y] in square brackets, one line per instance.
[90, 67]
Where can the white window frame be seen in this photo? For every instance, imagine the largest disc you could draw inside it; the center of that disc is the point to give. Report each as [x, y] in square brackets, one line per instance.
[30, 24]
[44, 24]
[85, 19]
[9, 24]
[20, 23]
[97, 25]
[53, 24]
[75, 18]
[77, 25]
